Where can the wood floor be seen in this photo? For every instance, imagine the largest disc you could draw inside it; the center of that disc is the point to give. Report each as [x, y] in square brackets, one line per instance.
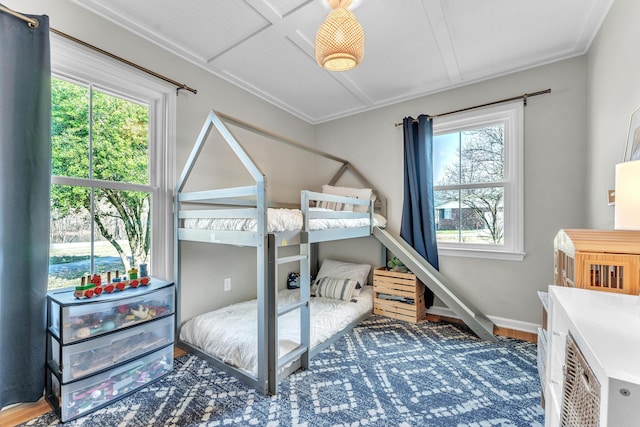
[503, 332]
[24, 412]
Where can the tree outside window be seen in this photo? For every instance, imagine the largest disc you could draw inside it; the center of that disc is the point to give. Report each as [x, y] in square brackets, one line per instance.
[469, 201]
[478, 182]
[100, 193]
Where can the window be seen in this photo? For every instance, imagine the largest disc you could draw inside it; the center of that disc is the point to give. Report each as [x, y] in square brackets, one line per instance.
[477, 174]
[111, 142]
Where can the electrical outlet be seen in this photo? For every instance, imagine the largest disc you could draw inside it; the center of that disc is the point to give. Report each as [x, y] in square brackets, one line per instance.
[227, 284]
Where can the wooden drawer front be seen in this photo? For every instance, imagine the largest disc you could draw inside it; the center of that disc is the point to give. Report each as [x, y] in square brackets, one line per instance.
[398, 295]
[609, 273]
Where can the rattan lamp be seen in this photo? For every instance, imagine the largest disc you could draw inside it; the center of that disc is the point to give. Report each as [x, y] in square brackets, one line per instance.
[340, 39]
[627, 211]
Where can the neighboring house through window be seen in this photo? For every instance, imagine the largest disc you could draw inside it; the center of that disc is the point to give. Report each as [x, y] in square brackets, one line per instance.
[112, 152]
[478, 186]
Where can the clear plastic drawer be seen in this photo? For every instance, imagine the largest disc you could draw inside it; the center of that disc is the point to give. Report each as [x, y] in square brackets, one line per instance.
[81, 397]
[85, 358]
[72, 320]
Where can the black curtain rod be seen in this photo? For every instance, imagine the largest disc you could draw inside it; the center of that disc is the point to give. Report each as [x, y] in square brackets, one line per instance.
[31, 22]
[515, 98]
[134, 65]
[34, 23]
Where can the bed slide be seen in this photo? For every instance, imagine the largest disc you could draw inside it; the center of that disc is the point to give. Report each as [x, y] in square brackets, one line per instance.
[437, 283]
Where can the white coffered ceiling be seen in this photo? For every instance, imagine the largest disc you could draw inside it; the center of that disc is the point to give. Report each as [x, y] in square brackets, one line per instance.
[413, 47]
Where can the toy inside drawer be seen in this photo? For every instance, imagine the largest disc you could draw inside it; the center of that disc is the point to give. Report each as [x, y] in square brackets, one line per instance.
[81, 397]
[85, 358]
[88, 320]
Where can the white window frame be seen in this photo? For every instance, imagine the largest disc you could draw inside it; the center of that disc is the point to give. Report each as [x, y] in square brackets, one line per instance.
[72, 61]
[511, 115]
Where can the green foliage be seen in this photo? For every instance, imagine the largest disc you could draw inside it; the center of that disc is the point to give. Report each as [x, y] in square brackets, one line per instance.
[395, 264]
[115, 131]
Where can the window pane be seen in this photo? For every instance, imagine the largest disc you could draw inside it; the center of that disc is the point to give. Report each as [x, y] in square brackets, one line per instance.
[483, 215]
[446, 155]
[121, 233]
[70, 236]
[447, 205]
[123, 221]
[482, 154]
[69, 129]
[470, 216]
[120, 139]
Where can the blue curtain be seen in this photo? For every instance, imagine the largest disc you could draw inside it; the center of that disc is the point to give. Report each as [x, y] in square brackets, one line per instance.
[25, 176]
[418, 227]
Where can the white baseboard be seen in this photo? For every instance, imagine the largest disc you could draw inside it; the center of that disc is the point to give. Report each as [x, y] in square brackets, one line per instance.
[501, 322]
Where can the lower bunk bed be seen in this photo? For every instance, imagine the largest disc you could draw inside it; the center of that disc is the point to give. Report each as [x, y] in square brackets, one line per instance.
[228, 335]
[278, 332]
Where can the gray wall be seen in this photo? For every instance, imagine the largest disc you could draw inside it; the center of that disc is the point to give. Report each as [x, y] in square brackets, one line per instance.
[573, 138]
[554, 179]
[613, 86]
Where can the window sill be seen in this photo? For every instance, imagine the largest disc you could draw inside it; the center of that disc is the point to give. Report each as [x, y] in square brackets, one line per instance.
[482, 253]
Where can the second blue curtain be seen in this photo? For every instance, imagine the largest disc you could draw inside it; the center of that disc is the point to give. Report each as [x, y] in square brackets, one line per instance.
[418, 226]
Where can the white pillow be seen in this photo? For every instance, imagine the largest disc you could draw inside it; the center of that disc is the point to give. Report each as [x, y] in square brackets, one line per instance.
[331, 287]
[344, 270]
[358, 193]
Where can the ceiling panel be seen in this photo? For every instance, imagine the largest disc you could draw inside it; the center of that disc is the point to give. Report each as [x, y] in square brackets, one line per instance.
[405, 55]
[199, 28]
[284, 7]
[294, 75]
[513, 35]
[412, 48]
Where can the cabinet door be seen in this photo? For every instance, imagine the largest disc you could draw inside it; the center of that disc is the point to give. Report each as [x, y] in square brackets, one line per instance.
[557, 325]
[609, 272]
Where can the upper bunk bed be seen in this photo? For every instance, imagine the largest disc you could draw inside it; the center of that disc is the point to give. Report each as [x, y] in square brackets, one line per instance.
[245, 216]
[242, 215]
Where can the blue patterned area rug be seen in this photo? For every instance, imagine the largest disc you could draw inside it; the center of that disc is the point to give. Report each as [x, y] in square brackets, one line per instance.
[383, 373]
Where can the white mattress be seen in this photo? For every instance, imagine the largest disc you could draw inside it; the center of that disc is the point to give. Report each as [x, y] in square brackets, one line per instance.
[230, 332]
[280, 220]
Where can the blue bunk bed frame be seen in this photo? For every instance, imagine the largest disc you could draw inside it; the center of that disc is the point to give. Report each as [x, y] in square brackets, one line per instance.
[252, 202]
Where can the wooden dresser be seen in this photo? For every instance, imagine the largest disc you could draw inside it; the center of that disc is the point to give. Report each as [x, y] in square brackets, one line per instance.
[603, 260]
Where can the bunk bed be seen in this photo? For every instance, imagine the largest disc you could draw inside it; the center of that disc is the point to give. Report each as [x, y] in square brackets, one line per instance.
[244, 216]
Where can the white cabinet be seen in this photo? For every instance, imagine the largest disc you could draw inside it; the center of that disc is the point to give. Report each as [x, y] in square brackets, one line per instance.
[605, 328]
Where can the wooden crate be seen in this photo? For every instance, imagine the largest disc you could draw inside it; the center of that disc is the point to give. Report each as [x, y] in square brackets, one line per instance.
[399, 285]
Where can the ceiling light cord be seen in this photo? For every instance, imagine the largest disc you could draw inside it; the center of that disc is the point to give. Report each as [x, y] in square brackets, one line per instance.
[339, 3]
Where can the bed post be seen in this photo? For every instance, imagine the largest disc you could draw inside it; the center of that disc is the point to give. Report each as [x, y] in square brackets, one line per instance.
[271, 305]
[305, 295]
[265, 297]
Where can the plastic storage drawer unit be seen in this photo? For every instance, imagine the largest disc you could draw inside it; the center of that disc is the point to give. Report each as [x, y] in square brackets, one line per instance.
[76, 361]
[77, 398]
[72, 319]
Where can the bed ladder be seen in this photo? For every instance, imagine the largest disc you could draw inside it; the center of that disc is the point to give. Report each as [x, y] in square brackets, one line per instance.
[437, 283]
[302, 351]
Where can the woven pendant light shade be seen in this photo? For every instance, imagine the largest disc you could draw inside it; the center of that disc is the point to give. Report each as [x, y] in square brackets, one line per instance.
[340, 41]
